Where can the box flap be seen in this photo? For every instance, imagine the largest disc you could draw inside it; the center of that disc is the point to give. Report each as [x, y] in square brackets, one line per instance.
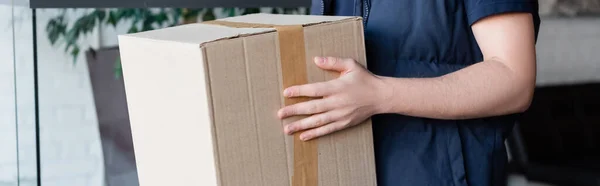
[199, 33]
[196, 33]
[282, 19]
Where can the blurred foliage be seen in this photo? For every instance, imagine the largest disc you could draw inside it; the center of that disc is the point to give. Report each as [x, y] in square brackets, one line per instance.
[59, 31]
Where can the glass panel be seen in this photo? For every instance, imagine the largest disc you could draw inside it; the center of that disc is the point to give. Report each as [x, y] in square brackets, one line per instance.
[25, 95]
[8, 137]
[17, 127]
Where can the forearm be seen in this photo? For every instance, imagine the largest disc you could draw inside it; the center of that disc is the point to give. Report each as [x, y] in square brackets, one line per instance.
[485, 89]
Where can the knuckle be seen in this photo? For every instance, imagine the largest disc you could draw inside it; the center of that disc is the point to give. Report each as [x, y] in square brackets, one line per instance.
[289, 111]
[315, 92]
[336, 86]
[324, 88]
[325, 118]
[351, 62]
[298, 126]
[333, 60]
[331, 130]
[304, 122]
[349, 114]
[344, 83]
[345, 123]
[317, 122]
[313, 108]
[321, 131]
[338, 100]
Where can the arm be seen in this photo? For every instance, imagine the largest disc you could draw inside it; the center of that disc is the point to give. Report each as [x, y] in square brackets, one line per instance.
[502, 84]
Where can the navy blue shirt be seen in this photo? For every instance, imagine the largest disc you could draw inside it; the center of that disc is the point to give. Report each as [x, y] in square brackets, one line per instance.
[430, 38]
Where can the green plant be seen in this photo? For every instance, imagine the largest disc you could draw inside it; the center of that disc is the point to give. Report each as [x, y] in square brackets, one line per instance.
[57, 28]
[60, 32]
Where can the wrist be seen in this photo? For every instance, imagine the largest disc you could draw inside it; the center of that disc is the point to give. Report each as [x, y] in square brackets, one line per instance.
[384, 95]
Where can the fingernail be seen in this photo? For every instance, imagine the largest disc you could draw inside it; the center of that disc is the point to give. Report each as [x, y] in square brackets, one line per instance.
[303, 137]
[319, 60]
[286, 93]
[288, 129]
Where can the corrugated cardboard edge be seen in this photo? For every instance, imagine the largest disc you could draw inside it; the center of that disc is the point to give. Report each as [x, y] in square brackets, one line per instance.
[202, 45]
[211, 109]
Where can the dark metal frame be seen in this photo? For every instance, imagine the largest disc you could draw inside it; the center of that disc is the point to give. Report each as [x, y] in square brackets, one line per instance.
[166, 3]
[36, 98]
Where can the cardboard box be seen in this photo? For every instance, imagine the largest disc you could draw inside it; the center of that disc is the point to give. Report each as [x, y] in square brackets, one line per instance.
[203, 98]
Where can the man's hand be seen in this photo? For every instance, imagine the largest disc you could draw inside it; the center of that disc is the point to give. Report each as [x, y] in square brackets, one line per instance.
[346, 101]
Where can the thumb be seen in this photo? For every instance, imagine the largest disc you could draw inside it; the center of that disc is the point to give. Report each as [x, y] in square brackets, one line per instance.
[335, 64]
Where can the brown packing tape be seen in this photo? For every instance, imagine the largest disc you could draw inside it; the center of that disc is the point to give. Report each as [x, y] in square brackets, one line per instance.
[293, 68]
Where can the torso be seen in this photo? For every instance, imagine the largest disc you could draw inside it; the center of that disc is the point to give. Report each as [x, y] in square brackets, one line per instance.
[419, 32]
[427, 38]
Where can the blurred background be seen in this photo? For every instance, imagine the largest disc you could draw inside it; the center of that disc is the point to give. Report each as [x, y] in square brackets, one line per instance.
[59, 70]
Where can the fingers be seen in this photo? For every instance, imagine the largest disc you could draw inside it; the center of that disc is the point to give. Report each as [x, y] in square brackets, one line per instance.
[313, 121]
[323, 130]
[309, 123]
[320, 89]
[305, 108]
[335, 64]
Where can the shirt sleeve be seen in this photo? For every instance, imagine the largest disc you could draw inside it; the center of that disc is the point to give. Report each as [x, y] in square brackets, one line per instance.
[479, 9]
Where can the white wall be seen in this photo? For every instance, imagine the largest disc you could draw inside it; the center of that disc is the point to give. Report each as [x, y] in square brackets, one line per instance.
[70, 143]
[70, 140]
